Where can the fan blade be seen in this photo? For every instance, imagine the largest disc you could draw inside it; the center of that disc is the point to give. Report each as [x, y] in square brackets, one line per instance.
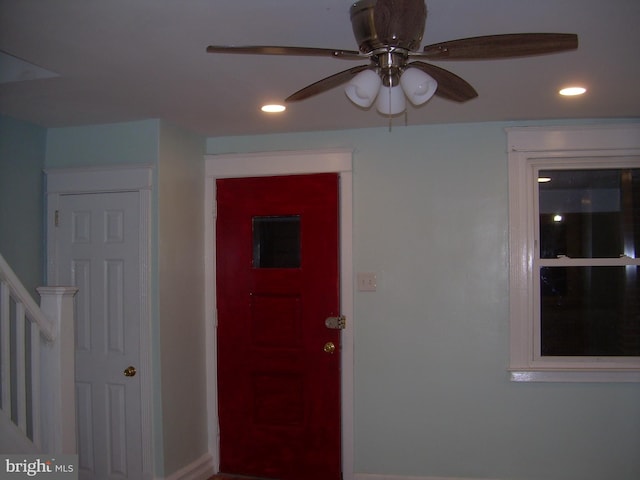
[450, 86]
[326, 84]
[276, 50]
[400, 22]
[501, 46]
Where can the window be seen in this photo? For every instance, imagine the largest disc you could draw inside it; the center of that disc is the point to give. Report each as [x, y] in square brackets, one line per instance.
[574, 226]
[276, 242]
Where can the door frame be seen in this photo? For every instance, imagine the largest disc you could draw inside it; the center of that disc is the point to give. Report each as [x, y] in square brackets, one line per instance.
[115, 179]
[270, 164]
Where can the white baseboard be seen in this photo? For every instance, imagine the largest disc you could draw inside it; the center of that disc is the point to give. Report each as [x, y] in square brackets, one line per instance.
[374, 476]
[201, 469]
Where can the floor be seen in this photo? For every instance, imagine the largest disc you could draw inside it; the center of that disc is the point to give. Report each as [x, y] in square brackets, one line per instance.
[222, 476]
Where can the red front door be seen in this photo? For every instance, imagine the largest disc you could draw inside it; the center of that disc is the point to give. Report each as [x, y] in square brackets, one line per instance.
[277, 281]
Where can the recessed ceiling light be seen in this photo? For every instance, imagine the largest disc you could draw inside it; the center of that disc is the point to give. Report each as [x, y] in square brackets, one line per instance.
[273, 108]
[572, 91]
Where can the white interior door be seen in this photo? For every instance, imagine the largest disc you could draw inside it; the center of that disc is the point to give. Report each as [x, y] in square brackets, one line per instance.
[97, 243]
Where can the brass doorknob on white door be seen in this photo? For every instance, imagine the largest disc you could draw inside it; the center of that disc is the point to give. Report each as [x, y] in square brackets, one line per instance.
[329, 347]
[130, 371]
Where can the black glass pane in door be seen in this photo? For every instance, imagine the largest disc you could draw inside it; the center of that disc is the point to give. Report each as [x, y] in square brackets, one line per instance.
[276, 242]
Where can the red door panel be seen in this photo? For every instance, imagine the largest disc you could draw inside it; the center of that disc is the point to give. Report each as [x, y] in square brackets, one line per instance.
[277, 260]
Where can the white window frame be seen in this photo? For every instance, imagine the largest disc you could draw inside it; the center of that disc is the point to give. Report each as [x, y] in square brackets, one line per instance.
[531, 149]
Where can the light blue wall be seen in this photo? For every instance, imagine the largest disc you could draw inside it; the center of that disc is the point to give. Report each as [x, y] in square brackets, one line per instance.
[22, 147]
[432, 395]
[431, 347]
[181, 296]
[100, 145]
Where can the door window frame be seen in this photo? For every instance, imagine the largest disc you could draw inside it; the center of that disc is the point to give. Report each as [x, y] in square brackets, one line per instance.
[531, 149]
[271, 164]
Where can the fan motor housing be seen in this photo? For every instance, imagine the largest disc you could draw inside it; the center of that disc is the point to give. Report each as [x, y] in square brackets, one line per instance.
[401, 29]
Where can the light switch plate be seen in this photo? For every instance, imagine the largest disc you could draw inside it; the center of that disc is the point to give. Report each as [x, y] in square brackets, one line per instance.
[367, 282]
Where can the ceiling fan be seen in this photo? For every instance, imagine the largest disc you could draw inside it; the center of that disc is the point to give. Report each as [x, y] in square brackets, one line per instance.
[389, 33]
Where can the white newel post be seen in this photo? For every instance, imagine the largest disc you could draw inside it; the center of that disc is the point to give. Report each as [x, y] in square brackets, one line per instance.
[58, 372]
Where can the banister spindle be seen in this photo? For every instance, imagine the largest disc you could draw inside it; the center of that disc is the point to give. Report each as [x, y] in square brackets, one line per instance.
[5, 347]
[21, 367]
[35, 385]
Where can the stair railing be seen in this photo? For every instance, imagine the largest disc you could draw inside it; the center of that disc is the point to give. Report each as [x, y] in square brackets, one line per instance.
[37, 368]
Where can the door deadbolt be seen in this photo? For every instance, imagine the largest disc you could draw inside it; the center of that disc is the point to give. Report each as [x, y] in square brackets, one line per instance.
[336, 323]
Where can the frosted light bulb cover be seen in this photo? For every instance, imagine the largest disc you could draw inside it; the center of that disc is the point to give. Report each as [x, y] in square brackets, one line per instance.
[391, 101]
[417, 85]
[363, 88]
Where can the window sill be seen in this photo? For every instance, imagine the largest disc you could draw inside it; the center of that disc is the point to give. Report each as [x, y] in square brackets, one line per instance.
[586, 376]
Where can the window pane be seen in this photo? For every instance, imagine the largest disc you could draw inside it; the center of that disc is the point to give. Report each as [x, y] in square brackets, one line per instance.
[590, 311]
[589, 213]
[276, 242]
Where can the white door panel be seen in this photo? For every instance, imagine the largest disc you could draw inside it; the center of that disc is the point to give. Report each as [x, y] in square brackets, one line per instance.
[98, 251]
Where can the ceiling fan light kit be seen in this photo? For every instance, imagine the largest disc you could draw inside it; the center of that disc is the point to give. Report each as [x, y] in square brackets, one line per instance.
[367, 86]
[389, 34]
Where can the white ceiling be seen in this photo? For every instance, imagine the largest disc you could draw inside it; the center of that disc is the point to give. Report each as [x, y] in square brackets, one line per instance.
[122, 60]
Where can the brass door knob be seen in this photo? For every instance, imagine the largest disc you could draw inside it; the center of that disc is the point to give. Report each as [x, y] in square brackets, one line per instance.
[130, 371]
[329, 347]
